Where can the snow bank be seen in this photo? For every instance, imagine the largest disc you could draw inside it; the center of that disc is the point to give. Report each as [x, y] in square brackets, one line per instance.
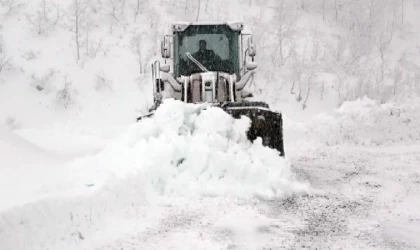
[189, 150]
[16, 151]
[57, 223]
[20, 162]
[68, 139]
[362, 122]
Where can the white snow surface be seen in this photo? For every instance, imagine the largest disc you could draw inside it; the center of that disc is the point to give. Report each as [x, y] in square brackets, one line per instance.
[189, 149]
[187, 176]
[364, 122]
[185, 151]
[13, 147]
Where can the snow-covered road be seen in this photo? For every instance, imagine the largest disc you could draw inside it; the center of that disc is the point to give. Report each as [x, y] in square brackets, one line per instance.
[366, 199]
[364, 193]
[200, 186]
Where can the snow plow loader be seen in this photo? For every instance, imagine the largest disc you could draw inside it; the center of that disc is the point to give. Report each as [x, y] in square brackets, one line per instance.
[211, 64]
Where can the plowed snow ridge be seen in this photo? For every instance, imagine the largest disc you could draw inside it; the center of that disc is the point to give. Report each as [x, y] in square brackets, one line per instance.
[194, 150]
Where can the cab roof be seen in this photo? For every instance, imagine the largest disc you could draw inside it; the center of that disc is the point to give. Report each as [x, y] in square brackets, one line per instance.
[181, 26]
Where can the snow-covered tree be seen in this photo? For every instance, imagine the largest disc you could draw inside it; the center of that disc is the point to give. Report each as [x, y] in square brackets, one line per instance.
[46, 15]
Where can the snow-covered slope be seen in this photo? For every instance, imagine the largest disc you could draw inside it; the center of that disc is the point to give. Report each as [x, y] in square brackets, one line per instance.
[20, 152]
[21, 161]
[363, 123]
[102, 76]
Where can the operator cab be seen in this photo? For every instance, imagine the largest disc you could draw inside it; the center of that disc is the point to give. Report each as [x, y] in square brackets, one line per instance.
[207, 62]
[203, 48]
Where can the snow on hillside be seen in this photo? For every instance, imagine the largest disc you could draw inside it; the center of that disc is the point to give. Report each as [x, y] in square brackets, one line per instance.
[14, 147]
[310, 56]
[45, 81]
[363, 122]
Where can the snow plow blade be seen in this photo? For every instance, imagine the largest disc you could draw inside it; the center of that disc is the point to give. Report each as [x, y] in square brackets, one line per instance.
[265, 123]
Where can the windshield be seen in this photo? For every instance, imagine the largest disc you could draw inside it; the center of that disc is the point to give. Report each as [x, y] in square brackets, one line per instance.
[213, 47]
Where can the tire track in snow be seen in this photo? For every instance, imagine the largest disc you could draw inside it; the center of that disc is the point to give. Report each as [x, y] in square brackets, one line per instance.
[343, 213]
[173, 221]
[185, 224]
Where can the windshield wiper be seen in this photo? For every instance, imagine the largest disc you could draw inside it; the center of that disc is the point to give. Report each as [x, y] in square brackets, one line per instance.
[196, 62]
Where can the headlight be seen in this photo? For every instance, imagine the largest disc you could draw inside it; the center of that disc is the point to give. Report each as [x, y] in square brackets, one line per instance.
[179, 27]
[236, 26]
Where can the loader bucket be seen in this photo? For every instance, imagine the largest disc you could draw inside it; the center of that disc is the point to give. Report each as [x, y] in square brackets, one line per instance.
[265, 123]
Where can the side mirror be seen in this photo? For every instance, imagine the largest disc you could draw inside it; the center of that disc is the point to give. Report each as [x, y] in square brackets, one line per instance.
[251, 66]
[165, 68]
[165, 49]
[252, 49]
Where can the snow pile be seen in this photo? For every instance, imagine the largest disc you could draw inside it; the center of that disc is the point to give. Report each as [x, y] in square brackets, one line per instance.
[364, 122]
[184, 150]
[194, 150]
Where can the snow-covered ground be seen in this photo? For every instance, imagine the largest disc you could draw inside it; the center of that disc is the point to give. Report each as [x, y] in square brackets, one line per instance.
[183, 155]
[178, 181]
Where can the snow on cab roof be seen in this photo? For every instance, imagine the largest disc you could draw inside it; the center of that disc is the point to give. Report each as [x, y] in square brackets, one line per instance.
[181, 26]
